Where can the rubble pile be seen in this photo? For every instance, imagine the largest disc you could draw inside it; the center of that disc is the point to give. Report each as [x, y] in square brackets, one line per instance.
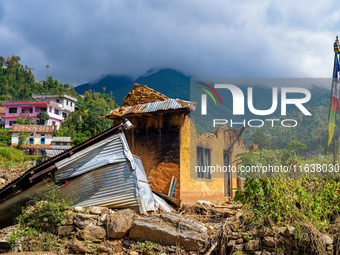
[142, 94]
[8, 175]
[102, 230]
[97, 230]
[236, 238]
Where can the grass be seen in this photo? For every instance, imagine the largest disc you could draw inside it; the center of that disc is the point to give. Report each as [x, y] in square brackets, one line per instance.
[11, 157]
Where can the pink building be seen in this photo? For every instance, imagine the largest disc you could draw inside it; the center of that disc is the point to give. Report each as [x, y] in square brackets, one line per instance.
[25, 109]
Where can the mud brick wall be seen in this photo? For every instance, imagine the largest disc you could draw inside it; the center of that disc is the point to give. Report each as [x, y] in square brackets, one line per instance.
[156, 140]
[142, 94]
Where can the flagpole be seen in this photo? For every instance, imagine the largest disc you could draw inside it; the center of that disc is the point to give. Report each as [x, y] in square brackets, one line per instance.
[336, 51]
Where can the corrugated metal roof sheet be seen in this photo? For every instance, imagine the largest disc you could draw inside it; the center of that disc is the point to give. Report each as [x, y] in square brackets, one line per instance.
[61, 147]
[112, 185]
[30, 128]
[169, 104]
[53, 153]
[64, 139]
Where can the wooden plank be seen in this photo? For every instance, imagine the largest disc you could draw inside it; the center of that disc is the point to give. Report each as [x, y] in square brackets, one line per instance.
[172, 181]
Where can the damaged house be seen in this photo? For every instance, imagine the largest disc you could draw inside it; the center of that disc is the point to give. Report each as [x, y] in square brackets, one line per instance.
[165, 139]
[101, 171]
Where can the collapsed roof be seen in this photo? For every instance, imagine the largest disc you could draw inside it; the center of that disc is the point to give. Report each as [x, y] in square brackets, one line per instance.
[144, 100]
[100, 171]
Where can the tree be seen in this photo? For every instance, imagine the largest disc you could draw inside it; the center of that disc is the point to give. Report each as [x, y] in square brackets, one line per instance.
[295, 146]
[5, 136]
[23, 137]
[43, 117]
[260, 139]
[27, 121]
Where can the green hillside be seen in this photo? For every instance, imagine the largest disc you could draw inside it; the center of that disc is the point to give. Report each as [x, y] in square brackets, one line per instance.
[167, 81]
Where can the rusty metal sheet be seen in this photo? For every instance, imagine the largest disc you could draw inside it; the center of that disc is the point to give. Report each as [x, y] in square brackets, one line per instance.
[169, 104]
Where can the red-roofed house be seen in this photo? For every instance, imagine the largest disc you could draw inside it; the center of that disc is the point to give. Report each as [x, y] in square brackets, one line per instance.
[40, 136]
[25, 109]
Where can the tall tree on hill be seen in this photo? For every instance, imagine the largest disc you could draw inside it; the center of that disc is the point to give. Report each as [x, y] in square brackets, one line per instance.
[43, 117]
[260, 139]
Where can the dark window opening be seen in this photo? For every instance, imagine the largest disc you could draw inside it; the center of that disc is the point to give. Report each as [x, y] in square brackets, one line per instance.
[13, 110]
[203, 162]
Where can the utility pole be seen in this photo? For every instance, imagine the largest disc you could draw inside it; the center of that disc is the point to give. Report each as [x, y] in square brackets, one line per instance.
[47, 66]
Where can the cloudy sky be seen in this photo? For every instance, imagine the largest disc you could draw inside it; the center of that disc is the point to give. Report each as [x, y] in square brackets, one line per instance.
[83, 39]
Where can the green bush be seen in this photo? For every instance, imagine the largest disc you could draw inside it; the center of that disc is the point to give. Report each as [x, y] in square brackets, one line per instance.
[42, 214]
[288, 200]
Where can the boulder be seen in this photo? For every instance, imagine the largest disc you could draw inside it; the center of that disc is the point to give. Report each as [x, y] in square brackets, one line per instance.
[65, 230]
[171, 229]
[231, 244]
[81, 220]
[120, 223]
[326, 239]
[252, 245]
[69, 218]
[104, 248]
[239, 247]
[78, 209]
[92, 233]
[97, 210]
[289, 231]
[77, 246]
[264, 231]
[269, 241]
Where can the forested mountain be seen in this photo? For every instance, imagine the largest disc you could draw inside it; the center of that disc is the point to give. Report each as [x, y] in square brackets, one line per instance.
[170, 82]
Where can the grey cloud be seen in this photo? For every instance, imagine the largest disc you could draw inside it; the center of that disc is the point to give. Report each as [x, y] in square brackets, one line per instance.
[81, 40]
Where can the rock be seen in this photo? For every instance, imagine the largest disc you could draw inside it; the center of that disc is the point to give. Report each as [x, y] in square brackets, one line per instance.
[92, 233]
[77, 246]
[133, 253]
[289, 231]
[234, 236]
[239, 253]
[326, 239]
[252, 245]
[103, 217]
[247, 236]
[231, 244]
[103, 248]
[120, 223]
[69, 218]
[65, 230]
[97, 210]
[240, 240]
[264, 231]
[258, 252]
[239, 247]
[329, 248]
[81, 220]
[127, 243]
[269, 241]
[78, 209]
[264, 252]
[164, 229]
[286, 243]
